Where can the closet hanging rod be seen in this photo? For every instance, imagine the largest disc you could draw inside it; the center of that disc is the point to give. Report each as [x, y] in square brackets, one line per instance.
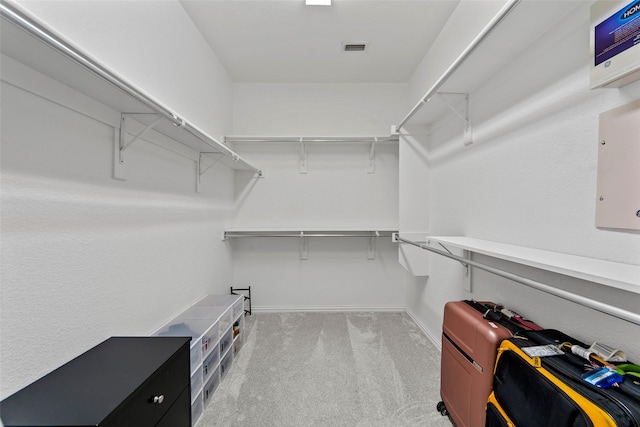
[493, 24]
[578, 299]
[298, 139]
[49, 38]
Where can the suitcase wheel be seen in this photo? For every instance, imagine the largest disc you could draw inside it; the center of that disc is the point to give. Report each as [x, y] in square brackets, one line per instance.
[442, 409]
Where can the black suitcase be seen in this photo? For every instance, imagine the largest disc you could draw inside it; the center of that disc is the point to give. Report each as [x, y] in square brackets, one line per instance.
[550, 391]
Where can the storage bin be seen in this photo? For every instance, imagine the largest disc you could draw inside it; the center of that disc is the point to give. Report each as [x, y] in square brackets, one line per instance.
[211, 386]
[226, 320]
[238, 335]
[220, 300]
[225, 342]
[235, 303]
[195, 355]
[225, 365]
[210, 312]
[197, 408]
[200, 330]
[238, 308]
[214, 342]
[196, 384]
[210, 364]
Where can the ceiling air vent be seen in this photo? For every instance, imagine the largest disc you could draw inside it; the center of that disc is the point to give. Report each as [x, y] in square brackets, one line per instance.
[354, 47]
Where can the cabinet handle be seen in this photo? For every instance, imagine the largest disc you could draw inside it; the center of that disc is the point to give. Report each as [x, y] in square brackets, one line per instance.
[157, 399]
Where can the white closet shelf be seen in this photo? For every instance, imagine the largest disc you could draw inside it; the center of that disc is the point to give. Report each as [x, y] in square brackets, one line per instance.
[303, 141]
[308, 232]
[367, 139]
[304, 233]
[610, 273]
[32, 43]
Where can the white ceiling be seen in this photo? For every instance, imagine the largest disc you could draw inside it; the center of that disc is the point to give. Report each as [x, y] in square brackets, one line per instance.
[286, 41]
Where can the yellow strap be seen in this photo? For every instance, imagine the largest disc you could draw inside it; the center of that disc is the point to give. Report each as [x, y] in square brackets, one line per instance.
[492, 399]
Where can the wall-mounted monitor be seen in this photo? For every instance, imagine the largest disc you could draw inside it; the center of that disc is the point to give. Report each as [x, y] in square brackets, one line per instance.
[615, 43]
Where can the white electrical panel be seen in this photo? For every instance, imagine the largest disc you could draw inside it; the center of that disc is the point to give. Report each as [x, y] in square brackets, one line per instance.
[618, 197]
[615, 43]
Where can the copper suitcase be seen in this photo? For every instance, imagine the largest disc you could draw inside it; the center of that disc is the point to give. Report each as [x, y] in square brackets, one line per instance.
[469, 349]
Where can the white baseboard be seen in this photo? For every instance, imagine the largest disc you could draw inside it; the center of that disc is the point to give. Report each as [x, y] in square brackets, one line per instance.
[435, 340]
[311, 308]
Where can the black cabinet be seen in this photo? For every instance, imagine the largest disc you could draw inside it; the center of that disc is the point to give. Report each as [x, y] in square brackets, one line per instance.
[124, 381]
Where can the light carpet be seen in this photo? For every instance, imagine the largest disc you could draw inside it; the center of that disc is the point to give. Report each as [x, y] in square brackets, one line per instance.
[330, 369]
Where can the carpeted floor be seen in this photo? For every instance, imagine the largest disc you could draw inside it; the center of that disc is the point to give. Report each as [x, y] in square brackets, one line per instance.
[330, 369]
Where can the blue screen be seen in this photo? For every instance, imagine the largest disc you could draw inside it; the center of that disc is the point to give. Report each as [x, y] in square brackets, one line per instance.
[617, 33]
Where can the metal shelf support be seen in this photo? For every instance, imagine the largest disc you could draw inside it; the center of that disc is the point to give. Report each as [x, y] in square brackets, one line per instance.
[463, 115]
[372, 157]
[371, 253]
[303, 157]
[304, 246]
[200, 170]
[119, 168]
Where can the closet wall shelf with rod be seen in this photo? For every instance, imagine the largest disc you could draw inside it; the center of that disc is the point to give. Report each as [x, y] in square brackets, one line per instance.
[372, 141]
[32, 43]
[305, 233]
[457, 63]
[507, 35]
[609, 273]
[311, 139]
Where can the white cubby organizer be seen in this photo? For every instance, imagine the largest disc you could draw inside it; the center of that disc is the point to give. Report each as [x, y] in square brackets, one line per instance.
[216, 327]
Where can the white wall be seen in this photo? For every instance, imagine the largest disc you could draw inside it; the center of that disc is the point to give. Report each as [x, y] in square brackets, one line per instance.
[85, 257]
[529, 179]
[466, 21]
[337, 192]
[154, 45]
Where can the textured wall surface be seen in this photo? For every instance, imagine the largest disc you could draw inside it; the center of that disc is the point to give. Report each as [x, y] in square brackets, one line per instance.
[155, 46]
[85, 257]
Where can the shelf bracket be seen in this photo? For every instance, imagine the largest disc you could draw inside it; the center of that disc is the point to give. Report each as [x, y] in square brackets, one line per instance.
[303, 157]
[371, 168]
[467, 273]
[371, 253]
[464, 115]
[304, 246]
[122, 143]
[200, 170]
[451, 253]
